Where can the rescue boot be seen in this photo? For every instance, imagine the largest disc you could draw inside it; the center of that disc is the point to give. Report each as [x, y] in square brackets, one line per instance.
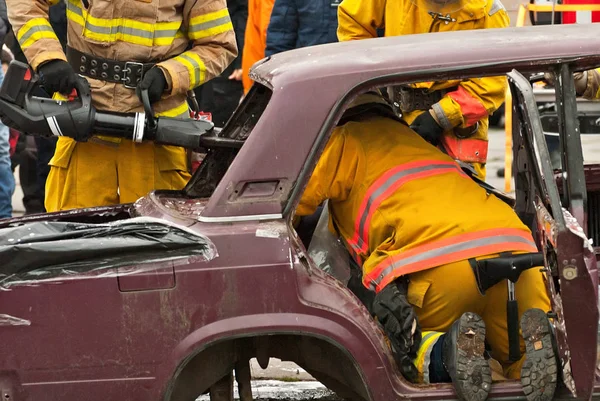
[463, 356]
[539, 371]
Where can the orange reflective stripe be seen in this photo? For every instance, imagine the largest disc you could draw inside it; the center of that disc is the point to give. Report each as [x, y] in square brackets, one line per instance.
[387, 184]
[470, 107]
[449, 250]
[467, 150]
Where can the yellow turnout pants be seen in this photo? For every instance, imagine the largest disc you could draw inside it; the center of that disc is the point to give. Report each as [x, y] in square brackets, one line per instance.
[105, 172]
[442, 294]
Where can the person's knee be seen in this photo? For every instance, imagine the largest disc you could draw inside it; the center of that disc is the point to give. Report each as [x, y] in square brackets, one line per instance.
[530, 291]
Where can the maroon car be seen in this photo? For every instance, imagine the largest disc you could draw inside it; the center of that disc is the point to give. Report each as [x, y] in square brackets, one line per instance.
[162, 299]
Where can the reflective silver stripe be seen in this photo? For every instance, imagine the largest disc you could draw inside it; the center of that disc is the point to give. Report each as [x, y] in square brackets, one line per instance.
[386, 185]
[442, 117]
[450, 249]
[54, 127]
[196, 66]
[125, 30]
[73, 8]
[166, 33]
[119, 29]
[35, 29]
[203, 26]
[138, 127]
[496, 6]
[115, 30]
[428, 335]
[427, 358]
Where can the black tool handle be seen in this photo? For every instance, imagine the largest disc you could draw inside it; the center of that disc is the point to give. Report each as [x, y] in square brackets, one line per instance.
[512, 320]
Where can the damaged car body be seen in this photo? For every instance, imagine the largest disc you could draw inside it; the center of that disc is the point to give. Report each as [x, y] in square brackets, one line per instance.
[226, 277]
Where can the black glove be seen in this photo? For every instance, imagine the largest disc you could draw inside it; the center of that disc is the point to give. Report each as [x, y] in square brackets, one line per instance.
[156, 83]
[57, 76]
[426, 126]
[399, 321]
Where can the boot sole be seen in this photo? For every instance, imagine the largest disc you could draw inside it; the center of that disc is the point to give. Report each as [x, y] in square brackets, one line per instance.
[539, 371]
[472, 379]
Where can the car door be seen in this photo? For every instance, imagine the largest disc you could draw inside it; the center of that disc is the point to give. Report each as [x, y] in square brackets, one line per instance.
[99, 316]
[570, 260]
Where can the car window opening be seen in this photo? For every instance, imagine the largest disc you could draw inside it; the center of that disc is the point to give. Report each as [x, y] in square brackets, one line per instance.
[319, 230]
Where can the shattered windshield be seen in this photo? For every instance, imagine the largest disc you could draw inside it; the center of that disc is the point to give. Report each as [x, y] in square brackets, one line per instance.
[239, 127]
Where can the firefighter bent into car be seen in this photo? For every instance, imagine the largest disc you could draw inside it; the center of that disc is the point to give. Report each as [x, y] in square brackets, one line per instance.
[417, 224]
[452, 114]
[587, 83]
[122, 47]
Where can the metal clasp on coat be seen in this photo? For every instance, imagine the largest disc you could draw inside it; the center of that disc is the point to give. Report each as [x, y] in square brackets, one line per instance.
[446, 18]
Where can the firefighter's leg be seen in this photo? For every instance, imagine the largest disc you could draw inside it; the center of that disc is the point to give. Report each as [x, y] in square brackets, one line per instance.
[82, 174]
[438, 300]
[530, 292]
[146, 167]
[451, 307]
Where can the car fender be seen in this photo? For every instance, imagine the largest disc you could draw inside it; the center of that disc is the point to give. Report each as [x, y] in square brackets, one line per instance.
[357, 344]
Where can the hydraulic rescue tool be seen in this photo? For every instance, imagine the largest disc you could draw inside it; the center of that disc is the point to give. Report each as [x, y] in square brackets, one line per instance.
[79, 120]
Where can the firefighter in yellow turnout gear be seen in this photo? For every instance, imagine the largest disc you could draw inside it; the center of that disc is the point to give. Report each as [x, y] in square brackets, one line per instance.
[406, 210]
[458, 111]
[167, 47]
[587, 83]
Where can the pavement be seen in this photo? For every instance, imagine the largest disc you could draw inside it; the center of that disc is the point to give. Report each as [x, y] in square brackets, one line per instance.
[282, 381]
[267, 390]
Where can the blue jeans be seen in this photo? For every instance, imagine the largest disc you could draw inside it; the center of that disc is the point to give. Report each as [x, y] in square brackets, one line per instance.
[7, 179]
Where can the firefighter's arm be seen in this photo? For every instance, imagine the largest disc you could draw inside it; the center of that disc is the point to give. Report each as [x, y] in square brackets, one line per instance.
[29, 20]
[334, 174]
[476, 98]
[591, 81]
[360, 19]
[208, 27]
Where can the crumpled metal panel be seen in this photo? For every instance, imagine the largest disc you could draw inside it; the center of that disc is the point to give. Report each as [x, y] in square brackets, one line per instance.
[44, 251]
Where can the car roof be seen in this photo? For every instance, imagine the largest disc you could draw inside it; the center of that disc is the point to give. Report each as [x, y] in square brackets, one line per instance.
[362, 59]
[311, 86]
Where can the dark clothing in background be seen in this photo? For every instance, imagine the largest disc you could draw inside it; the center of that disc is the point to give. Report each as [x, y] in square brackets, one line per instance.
[301, 23]
[58, 20]
[238, 10]
[221, 95]
[34, 162]
[4, 24]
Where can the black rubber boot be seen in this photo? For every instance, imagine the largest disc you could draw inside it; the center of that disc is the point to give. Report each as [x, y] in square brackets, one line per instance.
[539, 371]
[463, 356]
